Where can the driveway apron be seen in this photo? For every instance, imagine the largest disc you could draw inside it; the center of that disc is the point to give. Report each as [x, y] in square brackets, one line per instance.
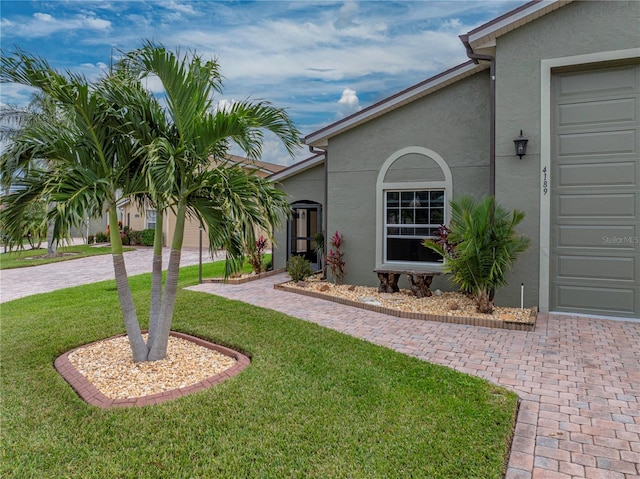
[578, 378]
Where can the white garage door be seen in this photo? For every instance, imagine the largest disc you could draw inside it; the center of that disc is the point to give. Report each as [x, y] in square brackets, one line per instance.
[595, 205]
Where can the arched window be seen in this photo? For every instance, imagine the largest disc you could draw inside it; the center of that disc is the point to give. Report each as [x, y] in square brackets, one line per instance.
[413, 190]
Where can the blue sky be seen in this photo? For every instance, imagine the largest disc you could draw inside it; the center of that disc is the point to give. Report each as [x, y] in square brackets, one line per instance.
[322, 60]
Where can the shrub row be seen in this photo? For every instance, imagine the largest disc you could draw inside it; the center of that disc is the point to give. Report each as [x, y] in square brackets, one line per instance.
[129, 237]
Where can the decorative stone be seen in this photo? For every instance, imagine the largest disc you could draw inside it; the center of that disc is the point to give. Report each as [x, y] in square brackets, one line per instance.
[394, 298]
[302, 284]
[452, 305]
[324, 288]
[369, 300]
[351, 287]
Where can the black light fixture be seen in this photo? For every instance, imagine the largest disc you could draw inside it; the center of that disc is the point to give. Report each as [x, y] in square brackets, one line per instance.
[521, 145]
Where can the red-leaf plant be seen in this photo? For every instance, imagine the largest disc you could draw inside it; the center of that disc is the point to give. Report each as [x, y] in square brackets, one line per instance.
[335, 259]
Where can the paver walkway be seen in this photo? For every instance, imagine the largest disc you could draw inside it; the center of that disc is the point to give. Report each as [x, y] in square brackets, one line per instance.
[578, 378]
[20, 282]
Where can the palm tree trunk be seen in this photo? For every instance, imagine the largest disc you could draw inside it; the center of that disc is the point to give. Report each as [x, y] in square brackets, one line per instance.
[138, 348]
[156, 281]
[52, 244]
[158, 349]
[484, 303]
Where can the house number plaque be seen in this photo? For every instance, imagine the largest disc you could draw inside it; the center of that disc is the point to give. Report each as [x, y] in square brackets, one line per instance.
[545, 182]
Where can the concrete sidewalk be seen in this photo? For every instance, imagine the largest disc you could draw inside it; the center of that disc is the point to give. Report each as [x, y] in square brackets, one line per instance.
[578, 378]
[20, 282]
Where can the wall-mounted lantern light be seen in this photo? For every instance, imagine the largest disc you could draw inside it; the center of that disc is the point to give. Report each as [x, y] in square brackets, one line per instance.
[521, 145]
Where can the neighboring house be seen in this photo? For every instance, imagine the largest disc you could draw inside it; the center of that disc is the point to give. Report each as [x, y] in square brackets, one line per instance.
[567, 73]
[139, 218]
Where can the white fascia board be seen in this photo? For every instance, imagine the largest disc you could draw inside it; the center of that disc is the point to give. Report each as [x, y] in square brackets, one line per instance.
[296, 168]
[124, 201]
[483, 35]
[319, 138]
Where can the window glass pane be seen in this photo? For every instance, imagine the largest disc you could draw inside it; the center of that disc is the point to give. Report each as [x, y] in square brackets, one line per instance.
[407, 231]
[393, 231]
[393, 198]
[437, 198]
[437, 216]
[151, 219]
[410, 249]
[407, 217]
[393, 215]
[422, 198]
[422, 216]
[406, 198]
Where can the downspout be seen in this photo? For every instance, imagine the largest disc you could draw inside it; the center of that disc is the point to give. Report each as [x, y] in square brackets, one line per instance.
[325, 206]
[476, 57]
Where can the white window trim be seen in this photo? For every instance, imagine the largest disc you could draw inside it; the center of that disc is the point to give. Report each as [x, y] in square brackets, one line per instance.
[382, 187]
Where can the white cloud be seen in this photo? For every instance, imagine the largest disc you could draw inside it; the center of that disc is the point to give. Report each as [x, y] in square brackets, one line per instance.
[92, 71]
[224, 105]
[15, 94]
[45, 17]
[153, 84]
[43, 25]
[348, 103]
[179, 7]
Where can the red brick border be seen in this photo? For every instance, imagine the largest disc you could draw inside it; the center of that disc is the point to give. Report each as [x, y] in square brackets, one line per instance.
[88, 392]
[485, 322]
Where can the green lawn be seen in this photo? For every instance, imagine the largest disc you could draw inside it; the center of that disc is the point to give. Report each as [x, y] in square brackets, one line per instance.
[34, 257]
[313, 402]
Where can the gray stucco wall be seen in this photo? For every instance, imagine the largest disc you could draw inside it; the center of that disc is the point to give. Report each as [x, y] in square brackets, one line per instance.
[305, 186]
[453, 122]
[576, 29]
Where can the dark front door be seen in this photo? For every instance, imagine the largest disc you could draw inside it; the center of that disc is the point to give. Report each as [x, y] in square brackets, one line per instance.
[305, 223]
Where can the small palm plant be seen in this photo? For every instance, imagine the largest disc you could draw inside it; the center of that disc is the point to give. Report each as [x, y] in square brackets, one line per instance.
[481, 247]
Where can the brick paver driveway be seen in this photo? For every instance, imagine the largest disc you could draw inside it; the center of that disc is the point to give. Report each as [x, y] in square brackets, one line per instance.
[578, 378]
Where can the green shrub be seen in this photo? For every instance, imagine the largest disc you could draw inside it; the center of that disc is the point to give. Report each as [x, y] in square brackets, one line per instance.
[91, 239]
[479, 247]
[135, 237]
[147, 236]
[101, 237]
[268, 265]
[299, 268]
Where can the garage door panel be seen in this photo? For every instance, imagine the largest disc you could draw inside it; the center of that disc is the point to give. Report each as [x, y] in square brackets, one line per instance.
[597, 81]
[597, 112]
[597, 174]
[597, 237]
[598, 300]
[597, 143]
[596, 268]
[597, 205]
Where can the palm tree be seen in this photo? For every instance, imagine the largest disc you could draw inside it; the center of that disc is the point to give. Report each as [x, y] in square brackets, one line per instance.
[121, 143]
[12, 120]
[225, 199]
[481, 247]
[89, 161]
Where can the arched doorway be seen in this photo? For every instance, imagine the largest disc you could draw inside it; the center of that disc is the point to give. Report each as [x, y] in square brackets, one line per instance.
[304, 224]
